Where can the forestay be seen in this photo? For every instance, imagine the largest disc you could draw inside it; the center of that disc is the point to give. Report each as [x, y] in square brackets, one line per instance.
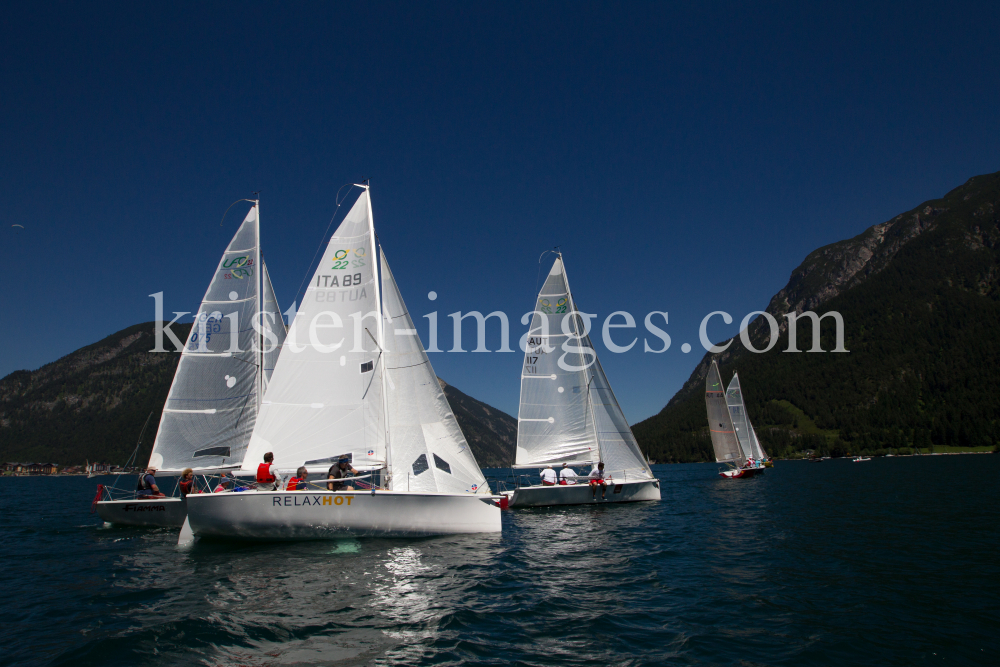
[212, 402]
[427, 450]
[568, 412]
[720, 423]
[738, 413]
[324, 398]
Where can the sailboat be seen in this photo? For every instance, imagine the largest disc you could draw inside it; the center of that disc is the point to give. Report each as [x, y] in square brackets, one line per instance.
[751, 446]
[353, 381]
[220, 380]
[725, 441]
[568, 412]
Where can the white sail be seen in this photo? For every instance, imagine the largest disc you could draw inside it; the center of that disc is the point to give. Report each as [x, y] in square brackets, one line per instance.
[755, 446]
[720, 423]
[568, 412]
[554, 422]
[212, 402]
[428, 452]
[738, 413]
[271, 322]
[619, 450]
[324, 398]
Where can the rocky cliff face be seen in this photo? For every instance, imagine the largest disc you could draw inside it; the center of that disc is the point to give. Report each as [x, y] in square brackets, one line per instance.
[898, 285]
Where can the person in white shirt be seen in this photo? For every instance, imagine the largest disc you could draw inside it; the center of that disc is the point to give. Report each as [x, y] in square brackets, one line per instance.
[549, 477]
[597, 479]
[567, 475]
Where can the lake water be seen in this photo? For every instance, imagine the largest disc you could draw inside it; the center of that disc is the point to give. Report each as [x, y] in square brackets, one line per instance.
[892, 562]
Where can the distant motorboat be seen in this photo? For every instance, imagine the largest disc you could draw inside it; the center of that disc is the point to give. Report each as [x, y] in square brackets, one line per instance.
[859, 459]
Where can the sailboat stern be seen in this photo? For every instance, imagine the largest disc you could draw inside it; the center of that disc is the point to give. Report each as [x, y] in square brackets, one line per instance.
[152, 513]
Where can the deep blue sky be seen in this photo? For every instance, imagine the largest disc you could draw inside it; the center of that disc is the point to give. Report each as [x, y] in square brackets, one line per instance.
[685, 157]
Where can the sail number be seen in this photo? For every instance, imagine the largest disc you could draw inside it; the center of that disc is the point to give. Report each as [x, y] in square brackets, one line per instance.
[546, 306]
[347, 280]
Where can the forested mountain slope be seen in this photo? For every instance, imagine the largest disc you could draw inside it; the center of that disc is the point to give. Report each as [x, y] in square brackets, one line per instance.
[92, 403]
[920, 300]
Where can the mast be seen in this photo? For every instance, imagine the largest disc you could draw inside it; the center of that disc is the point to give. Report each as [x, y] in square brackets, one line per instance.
[590, 402]
[379, 329]
[259, 317]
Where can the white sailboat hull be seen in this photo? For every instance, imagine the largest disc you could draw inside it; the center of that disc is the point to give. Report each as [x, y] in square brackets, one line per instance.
[316, 515]
[153, 513]
[582, 494]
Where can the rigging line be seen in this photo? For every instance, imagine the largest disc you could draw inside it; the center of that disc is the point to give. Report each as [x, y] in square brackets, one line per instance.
[236, 425]
[232, 205]
[322, 240]
[131, 459]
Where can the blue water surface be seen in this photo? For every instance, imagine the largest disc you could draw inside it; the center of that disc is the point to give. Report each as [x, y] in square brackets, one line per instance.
[889, 562]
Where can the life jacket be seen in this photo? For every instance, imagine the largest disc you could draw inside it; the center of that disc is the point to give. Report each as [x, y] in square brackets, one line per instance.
[143, 485]
[293, 484]
[186, 487]
[264, 475]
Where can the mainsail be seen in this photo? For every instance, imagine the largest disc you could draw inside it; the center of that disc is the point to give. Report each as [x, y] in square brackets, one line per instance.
[568, 412]
[213, 399]
[720, 422]
[738, 413]
[324, 398]
[428, 452]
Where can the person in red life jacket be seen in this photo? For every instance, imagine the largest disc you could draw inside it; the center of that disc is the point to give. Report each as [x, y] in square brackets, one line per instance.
[187, 483]
[146, 488]
[298, 483]
[597, 479]
[268, 478]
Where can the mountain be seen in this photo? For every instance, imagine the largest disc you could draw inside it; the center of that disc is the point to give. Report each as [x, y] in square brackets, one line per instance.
[92, 404]
[920, 299]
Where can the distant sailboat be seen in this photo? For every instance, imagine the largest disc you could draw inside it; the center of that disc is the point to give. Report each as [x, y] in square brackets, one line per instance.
[749, 443]
[725, 440]
[568, 412]
[353, 381]
[216, 392]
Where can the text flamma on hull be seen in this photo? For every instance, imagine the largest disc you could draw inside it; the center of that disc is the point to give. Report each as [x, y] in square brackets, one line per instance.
[154, 513]
[568, 412]
[353, 380]
[215, 395]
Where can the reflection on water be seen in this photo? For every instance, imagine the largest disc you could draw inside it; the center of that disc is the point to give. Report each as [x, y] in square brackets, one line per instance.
[800, 565]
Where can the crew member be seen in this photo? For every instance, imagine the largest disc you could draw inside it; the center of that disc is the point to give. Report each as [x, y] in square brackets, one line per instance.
[298, 483]
[549, 477]
[146, 488]
[224, 480]
[187, 483]
[268, 477]
[597, 479]
[567, 475]
[340, 470]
